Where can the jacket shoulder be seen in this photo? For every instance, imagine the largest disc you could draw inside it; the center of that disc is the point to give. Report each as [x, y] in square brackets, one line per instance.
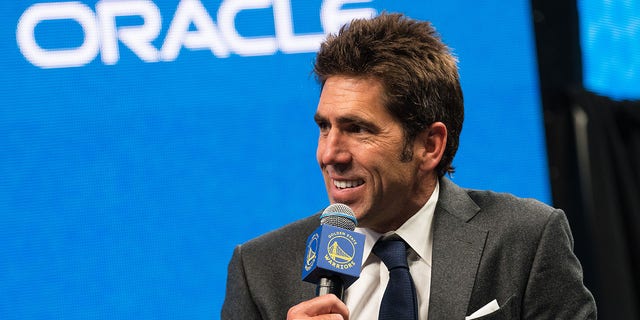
[507, 208]
[264, 277]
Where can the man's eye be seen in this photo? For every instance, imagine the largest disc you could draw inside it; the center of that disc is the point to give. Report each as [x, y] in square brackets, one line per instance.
[357, 129]
[323, 126]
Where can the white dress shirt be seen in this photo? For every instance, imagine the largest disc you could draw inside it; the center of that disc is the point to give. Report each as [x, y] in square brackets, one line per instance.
[364, 296]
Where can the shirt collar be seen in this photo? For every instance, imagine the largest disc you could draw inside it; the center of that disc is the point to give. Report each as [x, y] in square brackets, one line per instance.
[416, 231]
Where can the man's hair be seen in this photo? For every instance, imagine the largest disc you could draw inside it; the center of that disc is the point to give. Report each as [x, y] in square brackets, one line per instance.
[417, 70]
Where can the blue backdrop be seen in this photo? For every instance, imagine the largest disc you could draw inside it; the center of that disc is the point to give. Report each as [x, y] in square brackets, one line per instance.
[140, 141]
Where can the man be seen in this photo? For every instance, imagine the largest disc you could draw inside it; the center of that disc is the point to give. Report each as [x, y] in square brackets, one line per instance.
[390, 115]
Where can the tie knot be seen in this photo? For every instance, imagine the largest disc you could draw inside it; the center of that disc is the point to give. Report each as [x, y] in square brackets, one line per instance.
[392, 252]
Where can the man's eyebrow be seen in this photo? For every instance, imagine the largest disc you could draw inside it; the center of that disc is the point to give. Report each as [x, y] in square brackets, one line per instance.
[344, 119]
[354, 119]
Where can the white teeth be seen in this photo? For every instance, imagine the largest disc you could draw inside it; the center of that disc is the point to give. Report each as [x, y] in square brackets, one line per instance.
[347, 184]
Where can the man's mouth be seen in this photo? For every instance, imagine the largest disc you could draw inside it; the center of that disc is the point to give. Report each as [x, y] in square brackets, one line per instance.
[345, 184]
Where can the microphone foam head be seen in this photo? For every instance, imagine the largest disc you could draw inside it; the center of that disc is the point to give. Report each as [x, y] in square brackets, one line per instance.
[339, 215]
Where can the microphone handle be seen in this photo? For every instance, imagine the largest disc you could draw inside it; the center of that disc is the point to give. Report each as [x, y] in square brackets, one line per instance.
[328, 285]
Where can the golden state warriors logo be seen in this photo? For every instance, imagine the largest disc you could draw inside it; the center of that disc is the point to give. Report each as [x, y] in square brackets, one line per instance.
[341, 250]
[312, 249]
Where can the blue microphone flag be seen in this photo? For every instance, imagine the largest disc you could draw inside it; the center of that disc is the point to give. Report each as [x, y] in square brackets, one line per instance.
[333, 251]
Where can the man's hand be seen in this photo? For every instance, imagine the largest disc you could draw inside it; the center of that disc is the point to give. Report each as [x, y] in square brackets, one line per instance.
[325, 307]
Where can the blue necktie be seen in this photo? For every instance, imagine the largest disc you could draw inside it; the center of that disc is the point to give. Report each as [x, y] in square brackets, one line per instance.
[399, 300]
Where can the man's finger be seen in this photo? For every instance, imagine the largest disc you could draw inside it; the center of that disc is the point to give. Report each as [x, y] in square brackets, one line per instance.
[326, 307]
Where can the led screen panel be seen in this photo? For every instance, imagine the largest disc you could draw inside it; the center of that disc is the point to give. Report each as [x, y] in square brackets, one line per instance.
[610, 40]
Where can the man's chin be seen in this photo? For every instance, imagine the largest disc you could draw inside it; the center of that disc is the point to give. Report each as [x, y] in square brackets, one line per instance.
[359, 212]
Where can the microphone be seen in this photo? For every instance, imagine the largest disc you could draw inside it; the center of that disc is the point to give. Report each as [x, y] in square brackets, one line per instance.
[333, 257]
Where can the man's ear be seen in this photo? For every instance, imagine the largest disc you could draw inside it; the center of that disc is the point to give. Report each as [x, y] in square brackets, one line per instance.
[431, 144]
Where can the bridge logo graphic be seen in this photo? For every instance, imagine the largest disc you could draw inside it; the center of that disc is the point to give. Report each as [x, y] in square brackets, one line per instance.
[341, 251]
[312, 252]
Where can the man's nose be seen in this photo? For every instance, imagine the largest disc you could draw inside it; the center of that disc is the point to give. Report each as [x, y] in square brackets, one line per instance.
[334, 149]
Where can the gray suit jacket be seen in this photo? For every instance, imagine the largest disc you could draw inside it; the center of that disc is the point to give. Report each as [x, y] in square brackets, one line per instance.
[486, 246]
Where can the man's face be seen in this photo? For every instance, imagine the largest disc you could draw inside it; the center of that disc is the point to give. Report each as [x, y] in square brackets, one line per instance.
[359, 152]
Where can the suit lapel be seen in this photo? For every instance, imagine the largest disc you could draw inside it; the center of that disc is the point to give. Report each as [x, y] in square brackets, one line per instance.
[457, 249]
